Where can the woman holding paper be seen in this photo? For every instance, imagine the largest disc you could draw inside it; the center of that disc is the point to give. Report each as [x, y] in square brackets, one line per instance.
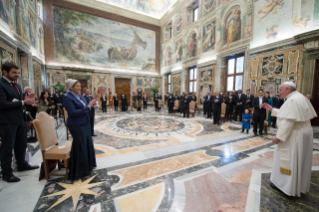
[82, 156]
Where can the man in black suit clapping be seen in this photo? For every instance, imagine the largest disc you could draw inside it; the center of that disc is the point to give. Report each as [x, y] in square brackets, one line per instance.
[13, 122]
[217, 107]
[259, 112]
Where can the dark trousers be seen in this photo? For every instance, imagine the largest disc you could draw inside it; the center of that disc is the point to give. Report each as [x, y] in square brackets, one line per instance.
[209, 111]
[116, 107]
[92, 124]
[216, 115]
[274, 122]
[205, 108]
[239, 108]
[156, 106]
[145, 105]
[13, 137]
[104, 108]
[186, 112]
[123, 108]
[259, 118]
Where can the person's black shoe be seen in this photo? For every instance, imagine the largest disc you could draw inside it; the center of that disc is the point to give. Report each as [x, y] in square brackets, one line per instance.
[10, 178]
[242, 131]
[94, 135]
[247, 131]
[26, 168]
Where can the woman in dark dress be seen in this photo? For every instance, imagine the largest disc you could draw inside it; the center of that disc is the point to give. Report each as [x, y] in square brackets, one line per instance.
[82, 156]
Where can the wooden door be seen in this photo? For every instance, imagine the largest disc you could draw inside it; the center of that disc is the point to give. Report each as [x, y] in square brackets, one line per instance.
[125, 86]
[315, 122]
[84, 84]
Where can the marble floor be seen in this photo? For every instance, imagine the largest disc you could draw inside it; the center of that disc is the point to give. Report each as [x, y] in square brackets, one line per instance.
[154, 161]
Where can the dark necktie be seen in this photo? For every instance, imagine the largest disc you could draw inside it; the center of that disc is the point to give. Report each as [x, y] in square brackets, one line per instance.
[15, 88]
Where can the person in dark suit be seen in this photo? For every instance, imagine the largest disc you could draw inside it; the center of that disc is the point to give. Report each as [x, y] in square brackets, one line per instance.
[278, 102]
[89, 98]
[204, 104]
[217, 107]
[209, 104]
[171, 102]
[103, 99]
[116, 102]
[181, 105]
[62, 95]
[56, 101]
[239, 101]
[230, 105]
[311, 100]
[145, 100]
[32, 109]
[13, 122]
[186, 100]
[82, 156]
[156, 98]
[248, 100]
[259, 112]
[123, 102]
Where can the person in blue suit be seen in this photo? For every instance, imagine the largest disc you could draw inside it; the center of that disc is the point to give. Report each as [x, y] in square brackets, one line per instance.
[82, 156]
[246, 121]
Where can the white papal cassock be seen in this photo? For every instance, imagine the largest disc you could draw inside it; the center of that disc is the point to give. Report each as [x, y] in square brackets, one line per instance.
[291, 170]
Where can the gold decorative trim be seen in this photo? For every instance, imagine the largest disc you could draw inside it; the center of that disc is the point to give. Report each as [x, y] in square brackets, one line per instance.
[285, 171]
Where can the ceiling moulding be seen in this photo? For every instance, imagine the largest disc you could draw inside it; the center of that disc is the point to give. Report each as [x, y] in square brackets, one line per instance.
[274, 45]
[116, 10]
[307, 36]
[234, 48]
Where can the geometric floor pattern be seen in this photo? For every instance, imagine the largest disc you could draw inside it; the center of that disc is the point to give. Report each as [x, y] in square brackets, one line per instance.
[154, 161]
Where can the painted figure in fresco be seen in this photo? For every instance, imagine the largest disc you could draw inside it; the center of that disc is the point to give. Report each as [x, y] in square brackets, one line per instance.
[32, 30]
[208, 4]
[209, 37]
[233, 27]
[192, 45]
[271, 33]
[253, 87]
[300, 24]
[178, 23]
[179, 51]
[20, 19]
[168, 60]
[4, 12]
[273, 6]
[41, 39]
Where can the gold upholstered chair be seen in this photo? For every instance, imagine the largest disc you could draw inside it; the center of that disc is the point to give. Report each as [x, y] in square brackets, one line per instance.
[192, 108]
[49, 145]
[176, 105]
[223, 112]
[160, 103]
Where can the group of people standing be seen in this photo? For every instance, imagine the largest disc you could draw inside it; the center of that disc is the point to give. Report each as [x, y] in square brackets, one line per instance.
[184, 101]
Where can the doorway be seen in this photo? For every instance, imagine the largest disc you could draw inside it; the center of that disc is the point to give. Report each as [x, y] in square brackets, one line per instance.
[315, 122]
[84, 84]
[122, 84]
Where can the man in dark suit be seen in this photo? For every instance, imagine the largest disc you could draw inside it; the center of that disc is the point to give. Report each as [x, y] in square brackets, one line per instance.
[217, 107]
[248, 100]
[278, 102]
[56, 100]
[204, 104]
[62, 95]
[145, 100]
[123, 102]
[13, 123]
[116, 101]
[89, 98]
[239, 100]
[156, 98]
[186, 100]
[181, 105]
[209, 104]
[171, 102]
[259, 112]
[32, 109]
[311, 100]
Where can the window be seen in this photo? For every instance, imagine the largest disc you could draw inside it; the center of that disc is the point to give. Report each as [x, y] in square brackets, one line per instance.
[195, 14]
[169, 83]
[235, 73]
[39, 9]
[192, 88]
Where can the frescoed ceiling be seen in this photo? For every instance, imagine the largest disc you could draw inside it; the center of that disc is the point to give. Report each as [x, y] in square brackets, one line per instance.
[152, 8]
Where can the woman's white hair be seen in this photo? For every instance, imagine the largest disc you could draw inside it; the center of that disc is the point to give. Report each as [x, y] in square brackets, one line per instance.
[290, 85]
[26, 88]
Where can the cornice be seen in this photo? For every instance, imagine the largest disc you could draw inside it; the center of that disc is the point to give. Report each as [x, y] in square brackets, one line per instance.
[307, 36]
[274, 45]
[116, 10]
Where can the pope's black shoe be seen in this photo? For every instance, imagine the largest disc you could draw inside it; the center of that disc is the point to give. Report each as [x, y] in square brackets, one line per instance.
[10, 178]
[26, 168]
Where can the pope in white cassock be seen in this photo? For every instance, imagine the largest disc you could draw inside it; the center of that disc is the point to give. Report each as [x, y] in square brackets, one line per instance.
[291, 170]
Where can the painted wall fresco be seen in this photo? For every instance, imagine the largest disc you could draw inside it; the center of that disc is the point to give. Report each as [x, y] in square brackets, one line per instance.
[232, 31]
[209, 36]
[7, 55]
[179, 51]
[144, 84]
[176, 84]
[21, 19]
[206, 80]
[37, 78]
[84, 39]
[192, 45]
[102, 82]
[33, 4]
[33, 29]
[24, 67]
[41, 40]
[4, 11]
[154, 8]
[270, 69]
[208, 6]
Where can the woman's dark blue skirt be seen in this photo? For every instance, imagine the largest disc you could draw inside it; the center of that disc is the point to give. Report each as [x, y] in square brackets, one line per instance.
[82, 156]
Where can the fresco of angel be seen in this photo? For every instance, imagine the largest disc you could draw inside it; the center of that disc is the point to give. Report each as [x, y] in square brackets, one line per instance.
[272, 7]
